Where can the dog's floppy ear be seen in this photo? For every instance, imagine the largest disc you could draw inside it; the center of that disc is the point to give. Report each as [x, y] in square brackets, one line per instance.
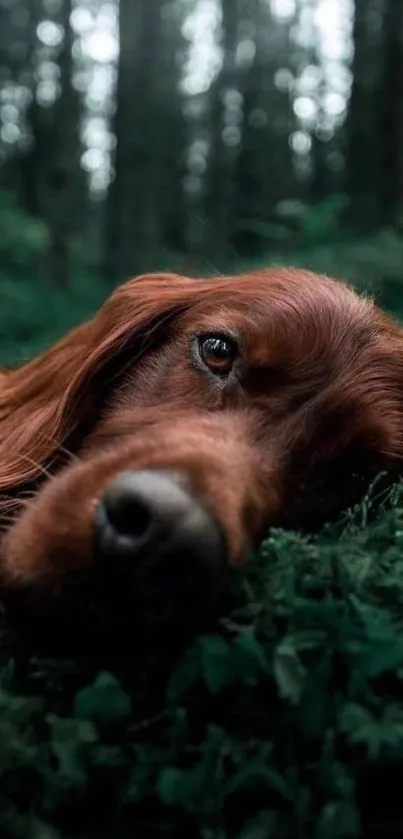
[49, 402]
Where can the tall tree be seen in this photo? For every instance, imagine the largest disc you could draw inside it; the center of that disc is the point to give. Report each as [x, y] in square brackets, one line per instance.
[53, 184]
[361, 125]
[173, 149]
[145, 196]
[389, 125]
[64, 182]
[220, 187]
[264, 173]
[15, 61]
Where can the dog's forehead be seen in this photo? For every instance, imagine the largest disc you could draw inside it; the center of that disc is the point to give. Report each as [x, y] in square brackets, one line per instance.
[260, 298]
[284, 315]
[277, 291]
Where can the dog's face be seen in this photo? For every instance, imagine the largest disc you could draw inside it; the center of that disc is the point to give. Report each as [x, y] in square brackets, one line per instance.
[270, 399]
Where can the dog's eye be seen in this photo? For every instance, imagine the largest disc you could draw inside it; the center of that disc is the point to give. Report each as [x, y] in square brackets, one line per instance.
[218, 352]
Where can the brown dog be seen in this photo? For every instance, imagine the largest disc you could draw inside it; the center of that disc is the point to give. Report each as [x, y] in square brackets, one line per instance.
[152, 445]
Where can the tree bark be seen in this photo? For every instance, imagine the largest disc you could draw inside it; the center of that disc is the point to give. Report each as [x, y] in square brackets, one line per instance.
[133, 212]
[361, 128]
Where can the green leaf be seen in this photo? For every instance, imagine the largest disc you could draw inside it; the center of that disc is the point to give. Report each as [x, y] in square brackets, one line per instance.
[197, 788]
[361, 726]
[173, 785]
[188, 671]
[256, 772]
[381, 656]
[315, 700]
[338, 820]
[261, 826]
[249, 657]
[217, 662]
[70, 740]
[104, 702]
[289, 673]
[185, 788]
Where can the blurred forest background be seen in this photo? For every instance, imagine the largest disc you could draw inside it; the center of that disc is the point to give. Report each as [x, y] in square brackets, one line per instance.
[196, 135]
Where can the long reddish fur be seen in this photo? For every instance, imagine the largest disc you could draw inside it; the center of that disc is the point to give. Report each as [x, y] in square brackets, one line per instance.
[72, 418]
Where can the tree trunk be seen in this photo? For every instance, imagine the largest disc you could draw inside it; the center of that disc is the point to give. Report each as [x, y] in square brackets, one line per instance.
[133, 211]
[361, 129]
[53, 183]
[62, 185]
[221, 185]
[390, 121]
[264, 175]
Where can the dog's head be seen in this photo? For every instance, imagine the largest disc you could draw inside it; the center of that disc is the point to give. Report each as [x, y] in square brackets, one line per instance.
[150, 448]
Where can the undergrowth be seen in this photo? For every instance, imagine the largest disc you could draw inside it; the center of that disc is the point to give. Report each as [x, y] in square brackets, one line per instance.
[284, 723]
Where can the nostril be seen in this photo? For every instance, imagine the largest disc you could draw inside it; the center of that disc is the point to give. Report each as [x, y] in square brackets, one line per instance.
[156, 536]
[140, 506]
[128, 514]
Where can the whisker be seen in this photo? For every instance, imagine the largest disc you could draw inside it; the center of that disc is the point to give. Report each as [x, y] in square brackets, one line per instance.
[39, 466]
[59, 448]
[69, 454]
[10, 509]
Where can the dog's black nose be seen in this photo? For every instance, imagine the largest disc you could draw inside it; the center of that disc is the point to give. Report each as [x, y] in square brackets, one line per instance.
[155, 537]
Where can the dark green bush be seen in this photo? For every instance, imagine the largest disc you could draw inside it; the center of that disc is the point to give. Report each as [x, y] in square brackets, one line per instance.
[373, 265]
[35, 310]
[285, 722]
[34, 315]
[24, 240]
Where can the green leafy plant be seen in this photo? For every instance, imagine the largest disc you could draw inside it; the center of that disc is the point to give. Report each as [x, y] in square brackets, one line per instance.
[285, 721]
